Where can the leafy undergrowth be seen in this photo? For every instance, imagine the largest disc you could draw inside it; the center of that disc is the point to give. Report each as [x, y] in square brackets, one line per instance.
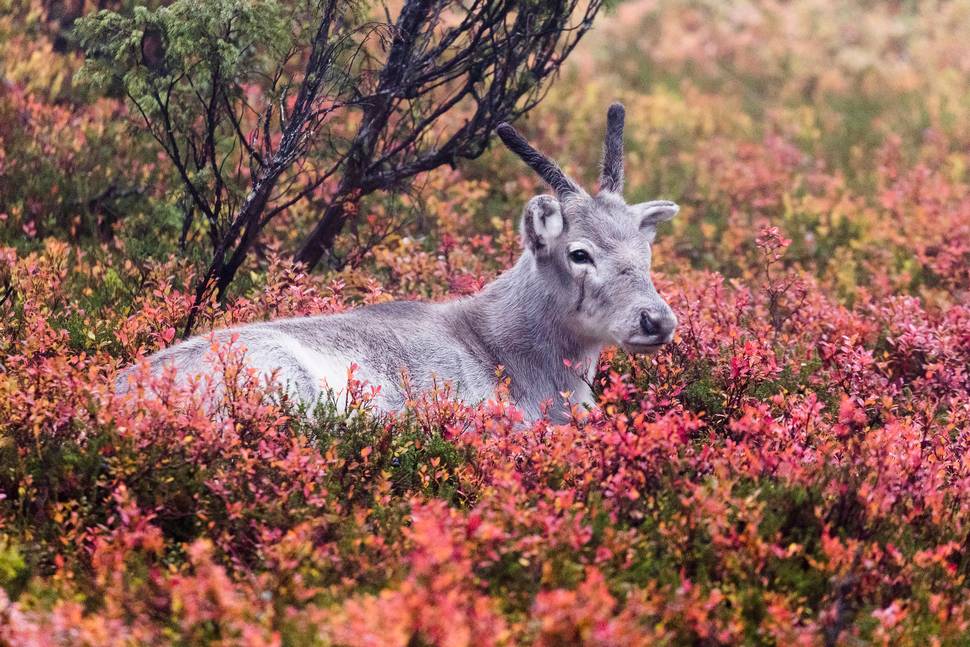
[771, 478]
[793, 469]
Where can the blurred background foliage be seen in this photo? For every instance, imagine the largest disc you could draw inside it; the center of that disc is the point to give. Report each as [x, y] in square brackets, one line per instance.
[802, 113]
[791, 470]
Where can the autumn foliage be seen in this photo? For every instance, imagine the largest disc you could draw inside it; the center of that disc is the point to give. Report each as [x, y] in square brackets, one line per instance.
[793, 470]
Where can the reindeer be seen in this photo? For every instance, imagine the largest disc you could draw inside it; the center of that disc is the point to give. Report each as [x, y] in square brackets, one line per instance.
[582, 282]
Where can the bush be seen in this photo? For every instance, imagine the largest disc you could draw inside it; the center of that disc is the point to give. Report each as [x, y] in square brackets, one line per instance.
[791, 470]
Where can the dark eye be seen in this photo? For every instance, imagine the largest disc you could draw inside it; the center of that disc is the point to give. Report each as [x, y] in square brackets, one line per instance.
[580, 256]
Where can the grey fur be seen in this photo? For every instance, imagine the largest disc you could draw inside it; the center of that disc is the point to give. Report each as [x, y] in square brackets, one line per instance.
[545, 311]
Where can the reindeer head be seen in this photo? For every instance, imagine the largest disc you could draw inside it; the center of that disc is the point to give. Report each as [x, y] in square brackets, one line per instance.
[594, 252]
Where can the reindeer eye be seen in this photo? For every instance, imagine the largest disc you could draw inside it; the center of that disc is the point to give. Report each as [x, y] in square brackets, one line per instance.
[580, 256]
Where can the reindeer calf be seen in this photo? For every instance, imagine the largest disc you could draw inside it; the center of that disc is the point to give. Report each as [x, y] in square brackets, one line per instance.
[582, 282]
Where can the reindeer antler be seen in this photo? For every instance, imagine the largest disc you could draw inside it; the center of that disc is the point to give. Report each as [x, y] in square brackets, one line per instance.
[547, 169]
[611, 178]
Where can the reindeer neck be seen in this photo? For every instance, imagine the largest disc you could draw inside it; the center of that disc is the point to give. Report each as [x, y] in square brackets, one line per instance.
[519, 319]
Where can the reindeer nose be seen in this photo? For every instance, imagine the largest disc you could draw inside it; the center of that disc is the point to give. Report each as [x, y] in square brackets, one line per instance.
[660, 324]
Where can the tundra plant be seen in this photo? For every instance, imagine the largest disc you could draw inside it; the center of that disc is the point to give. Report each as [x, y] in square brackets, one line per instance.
[582, 282]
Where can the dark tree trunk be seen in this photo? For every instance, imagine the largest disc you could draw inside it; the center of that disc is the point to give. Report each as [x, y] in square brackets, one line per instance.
[324, 233]
[376, 114]
[224, 272]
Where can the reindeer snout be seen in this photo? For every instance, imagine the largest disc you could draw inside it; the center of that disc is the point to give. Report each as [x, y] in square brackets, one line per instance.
[659, 324]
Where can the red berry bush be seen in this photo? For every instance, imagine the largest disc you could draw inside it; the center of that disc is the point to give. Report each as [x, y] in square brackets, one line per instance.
[792, 469]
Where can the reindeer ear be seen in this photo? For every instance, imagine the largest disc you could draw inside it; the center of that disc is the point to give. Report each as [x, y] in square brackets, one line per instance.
[654, 212]
[542, 223]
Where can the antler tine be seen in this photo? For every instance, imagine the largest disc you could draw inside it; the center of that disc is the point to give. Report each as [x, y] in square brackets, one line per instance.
[548, 170]
[611, 179]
